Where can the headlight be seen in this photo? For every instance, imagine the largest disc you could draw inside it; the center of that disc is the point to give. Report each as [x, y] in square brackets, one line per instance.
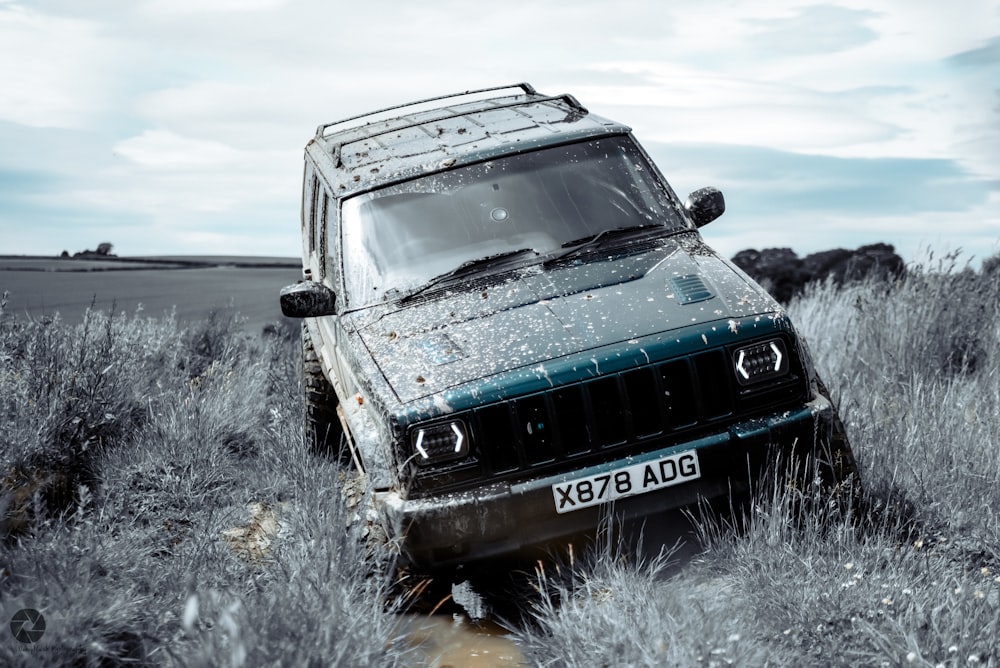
[761, 361]
[440, 442]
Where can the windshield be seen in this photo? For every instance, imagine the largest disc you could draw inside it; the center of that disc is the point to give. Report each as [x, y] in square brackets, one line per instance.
[398, 238]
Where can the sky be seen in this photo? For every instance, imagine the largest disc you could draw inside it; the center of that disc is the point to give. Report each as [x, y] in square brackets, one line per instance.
[177, 126]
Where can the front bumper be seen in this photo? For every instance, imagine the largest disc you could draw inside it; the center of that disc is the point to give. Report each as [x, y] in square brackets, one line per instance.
[503, 520]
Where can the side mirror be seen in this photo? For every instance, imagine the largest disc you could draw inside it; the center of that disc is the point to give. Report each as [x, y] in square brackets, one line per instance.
[308, 299]
[705, 205]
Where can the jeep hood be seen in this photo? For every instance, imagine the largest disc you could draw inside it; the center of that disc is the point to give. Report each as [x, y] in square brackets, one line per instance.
[536, 314]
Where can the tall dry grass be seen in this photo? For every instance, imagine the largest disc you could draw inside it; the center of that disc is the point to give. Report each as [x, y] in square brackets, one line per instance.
[159, 508]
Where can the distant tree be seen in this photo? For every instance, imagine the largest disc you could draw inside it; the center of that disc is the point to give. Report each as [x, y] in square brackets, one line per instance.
[64, 254]
[104, 248]
[785, 274]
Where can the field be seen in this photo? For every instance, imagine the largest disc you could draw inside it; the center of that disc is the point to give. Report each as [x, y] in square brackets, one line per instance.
[159, 508]
[186, 287]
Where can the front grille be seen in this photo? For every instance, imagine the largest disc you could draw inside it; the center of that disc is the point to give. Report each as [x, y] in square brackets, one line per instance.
[616, 414]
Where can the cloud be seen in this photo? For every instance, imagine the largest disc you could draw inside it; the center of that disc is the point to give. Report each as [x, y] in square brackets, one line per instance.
[27, 191]
[985, 56]
[813, 29]
[54, 72]
[761, 181]
[161, 149]
[211, 6]
[681, 104]
[271, 113]
[251, 209]
[813, 202]
[39, 216]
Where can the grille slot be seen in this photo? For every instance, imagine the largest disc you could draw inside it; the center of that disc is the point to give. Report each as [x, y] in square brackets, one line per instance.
[608, 410]
[642, 396]
[535, 429]
[495, 438]
[715, 378]
[573, 419]
[678, 390]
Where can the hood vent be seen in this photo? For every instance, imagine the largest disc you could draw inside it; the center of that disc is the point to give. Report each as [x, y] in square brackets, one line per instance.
[690, 289]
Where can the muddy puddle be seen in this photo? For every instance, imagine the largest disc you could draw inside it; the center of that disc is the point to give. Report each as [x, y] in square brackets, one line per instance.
[443, 641]
[460, 630]
[465, 633]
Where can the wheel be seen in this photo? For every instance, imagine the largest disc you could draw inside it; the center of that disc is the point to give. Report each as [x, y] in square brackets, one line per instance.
[817, 477]
[827, 478]
[323, 432]
[839, 465]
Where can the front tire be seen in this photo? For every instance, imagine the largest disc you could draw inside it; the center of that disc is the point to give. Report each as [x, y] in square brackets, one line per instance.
[324, 434]
[840, 467]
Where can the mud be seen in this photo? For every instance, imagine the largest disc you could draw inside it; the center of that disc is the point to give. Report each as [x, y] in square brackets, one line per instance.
[454, 641]
[464, 630]
[252, 541]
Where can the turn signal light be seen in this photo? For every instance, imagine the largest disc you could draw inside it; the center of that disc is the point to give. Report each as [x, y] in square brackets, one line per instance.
[761, 361]
[441, 442]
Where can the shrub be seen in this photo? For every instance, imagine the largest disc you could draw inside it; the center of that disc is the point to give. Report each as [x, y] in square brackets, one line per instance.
[70, 392]
[136, 562]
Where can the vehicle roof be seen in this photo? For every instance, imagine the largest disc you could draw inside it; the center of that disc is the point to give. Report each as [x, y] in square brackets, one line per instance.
[446, 131]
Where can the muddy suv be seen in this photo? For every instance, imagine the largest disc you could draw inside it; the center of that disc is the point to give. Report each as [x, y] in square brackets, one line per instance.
[513, 328]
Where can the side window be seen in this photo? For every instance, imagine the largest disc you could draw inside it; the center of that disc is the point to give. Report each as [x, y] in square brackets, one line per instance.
[331, 243]
[307, 179]
[313, 218]
[318, 239]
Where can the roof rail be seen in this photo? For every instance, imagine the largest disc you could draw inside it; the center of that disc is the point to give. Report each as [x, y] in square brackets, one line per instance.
[526, 87]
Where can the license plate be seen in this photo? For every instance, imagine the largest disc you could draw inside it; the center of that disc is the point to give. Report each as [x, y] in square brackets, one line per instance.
[626, 481]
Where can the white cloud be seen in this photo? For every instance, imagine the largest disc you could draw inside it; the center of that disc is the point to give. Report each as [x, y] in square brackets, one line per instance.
[54, 72]
[211, 6]
[926, 31]
[885, 88]
[160, 149]
[681, 104]
[272, 113]
[823, 28]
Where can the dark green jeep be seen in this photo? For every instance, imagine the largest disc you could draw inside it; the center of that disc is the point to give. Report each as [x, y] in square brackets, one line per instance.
[513, 327]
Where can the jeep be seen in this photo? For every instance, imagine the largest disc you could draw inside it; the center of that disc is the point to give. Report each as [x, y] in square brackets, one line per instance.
[513, 329]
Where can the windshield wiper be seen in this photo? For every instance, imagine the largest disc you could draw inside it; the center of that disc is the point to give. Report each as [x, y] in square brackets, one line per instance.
[584, 244]
[468, 268]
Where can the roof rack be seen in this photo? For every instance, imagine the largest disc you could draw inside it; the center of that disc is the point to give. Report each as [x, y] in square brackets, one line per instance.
[526, 87]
